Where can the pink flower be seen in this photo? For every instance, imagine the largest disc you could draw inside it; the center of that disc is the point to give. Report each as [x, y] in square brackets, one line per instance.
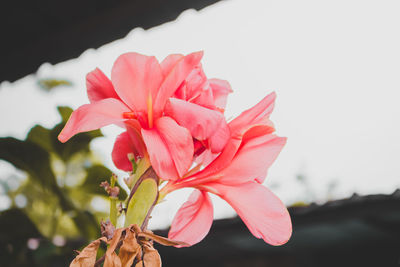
[211, 94]
[236, 176]
[173, 116]
[138, 98]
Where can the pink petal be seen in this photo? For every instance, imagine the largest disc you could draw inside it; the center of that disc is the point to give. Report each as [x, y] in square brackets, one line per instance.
[135, 78]
[220, 90]
[122, 146]
[219, 163]
[181, 92]
[202, 123]
[192, 86]
[259, 114]
[220, 138]
[193, 220]
[205, 98]
[174, 79]
[159, 154]
[263, 213]
[179, 143]
[206, 157]
[93, 116]
[216, 169]
[195, 82]
[252, 160]
[134, 130]
[169, 63]
[170, 148]
[99, 86]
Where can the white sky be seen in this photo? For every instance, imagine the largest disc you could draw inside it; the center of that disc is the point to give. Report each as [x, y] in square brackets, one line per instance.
[334, 64]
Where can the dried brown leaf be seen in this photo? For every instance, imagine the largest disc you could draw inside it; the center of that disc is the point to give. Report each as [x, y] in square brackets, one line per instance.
[129, 249]
[151, 258]
[135, 228]
[87, 257]
[161, 240]
[112, 259]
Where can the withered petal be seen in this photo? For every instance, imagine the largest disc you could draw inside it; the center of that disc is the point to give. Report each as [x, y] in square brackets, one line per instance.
[87, 257]
[129, 249]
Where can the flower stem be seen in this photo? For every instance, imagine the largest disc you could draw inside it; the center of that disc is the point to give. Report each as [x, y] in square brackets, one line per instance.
[142, 199]
[113, 204]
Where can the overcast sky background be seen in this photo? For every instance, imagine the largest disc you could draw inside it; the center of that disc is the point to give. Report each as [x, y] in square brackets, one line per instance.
[334, 65]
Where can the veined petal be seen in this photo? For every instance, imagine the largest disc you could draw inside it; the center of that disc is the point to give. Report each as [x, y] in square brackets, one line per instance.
[170, 148]
[193, 220]
[181, 92]
[220, 138]
[206, 157]
[263, 213]
[159, 154]
[93, 116]
[215, 170]
[169, 63]
[259, 114]
[99, 86]
[174, 79]
[252, 160]
[133, 129]
[122, 146]
[205, 98]
[195, 82]
[209, 173]
[135, 77]
[203, 123]
[220, 90]
[178, 141]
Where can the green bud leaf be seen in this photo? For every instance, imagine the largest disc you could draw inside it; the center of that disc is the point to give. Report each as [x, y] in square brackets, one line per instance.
[143, 197]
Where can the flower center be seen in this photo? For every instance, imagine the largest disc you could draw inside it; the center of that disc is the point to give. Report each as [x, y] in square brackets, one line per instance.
[129, 115]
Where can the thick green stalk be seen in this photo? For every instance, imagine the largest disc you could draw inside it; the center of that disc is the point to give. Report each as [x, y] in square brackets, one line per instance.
[138, 170]
[142, 199]
[113, 204]
[113, 211]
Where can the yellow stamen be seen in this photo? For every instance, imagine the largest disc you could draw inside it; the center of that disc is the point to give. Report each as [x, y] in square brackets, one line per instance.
[150, 110]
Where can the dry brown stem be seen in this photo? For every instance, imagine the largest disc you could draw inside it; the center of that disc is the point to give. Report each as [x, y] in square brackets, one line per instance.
[132, 244]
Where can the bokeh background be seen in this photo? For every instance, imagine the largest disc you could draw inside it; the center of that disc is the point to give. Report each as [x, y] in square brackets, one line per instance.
[334, 65]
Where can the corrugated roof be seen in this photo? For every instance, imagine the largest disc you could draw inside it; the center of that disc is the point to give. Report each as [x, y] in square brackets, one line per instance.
[34, 32]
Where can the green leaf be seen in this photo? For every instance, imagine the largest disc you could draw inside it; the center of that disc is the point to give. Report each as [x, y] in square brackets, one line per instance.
[30, 157]
[95, 175]
[87, 224]
[78, 143]
[50, 84]
[65, 112]
[48, 139]
[41, 136]
[141, 202]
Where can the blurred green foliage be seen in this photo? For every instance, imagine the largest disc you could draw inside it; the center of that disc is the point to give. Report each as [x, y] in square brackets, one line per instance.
[50, 84]
[63, 180]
